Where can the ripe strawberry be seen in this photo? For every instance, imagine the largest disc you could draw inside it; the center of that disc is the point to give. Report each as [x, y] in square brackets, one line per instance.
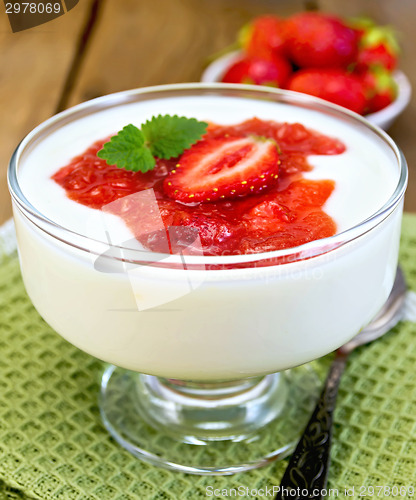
[273, 72]
[378, 47]
[378, 55]
[334, 85]
[316, 40]
[263, 37]
[381, 88]
[224, 167]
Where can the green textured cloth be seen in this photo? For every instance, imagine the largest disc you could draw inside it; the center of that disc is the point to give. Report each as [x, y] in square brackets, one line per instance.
[54, 446]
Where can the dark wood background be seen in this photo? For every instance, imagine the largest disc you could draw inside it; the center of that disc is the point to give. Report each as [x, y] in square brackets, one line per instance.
[104, 46]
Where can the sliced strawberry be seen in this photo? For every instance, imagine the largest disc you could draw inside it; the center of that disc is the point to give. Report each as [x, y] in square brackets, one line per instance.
[225, 167]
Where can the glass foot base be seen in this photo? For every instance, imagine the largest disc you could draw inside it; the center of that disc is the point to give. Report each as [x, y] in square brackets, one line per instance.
[208, 428]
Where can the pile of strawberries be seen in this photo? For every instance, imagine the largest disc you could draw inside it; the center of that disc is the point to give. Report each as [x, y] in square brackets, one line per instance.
[349, 63]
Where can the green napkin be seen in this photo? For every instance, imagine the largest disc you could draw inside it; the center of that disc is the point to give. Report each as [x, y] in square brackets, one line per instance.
[54, 446]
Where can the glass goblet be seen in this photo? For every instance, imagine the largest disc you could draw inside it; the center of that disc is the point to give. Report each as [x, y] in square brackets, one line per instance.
[207, 354]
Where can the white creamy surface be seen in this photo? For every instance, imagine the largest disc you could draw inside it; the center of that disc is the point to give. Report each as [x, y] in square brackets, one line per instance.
[365, 175]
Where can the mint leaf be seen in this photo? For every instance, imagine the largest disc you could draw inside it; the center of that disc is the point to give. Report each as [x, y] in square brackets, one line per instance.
[162, 136]
[127, 150]
[168, 136]
[140, 160]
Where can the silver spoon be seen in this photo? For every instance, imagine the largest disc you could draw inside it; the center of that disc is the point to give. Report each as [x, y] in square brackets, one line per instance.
[307, 471]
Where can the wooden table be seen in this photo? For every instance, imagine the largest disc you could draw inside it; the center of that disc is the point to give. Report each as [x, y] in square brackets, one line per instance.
[104, 46]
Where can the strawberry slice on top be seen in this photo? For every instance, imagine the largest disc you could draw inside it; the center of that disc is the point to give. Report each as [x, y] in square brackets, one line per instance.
[224, 167]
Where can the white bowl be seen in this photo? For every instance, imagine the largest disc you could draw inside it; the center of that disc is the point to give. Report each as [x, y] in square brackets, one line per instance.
[383, 118]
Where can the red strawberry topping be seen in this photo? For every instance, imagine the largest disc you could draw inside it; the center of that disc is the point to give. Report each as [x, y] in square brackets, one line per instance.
[287, 214]
[226, 167]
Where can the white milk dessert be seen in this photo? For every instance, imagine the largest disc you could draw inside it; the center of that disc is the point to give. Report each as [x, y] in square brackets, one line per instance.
[275, 277]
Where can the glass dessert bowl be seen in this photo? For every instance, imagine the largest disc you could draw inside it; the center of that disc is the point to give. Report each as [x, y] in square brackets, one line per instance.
[203, 347]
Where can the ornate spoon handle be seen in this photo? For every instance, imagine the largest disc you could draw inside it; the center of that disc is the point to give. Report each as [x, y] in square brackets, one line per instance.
[308, 468]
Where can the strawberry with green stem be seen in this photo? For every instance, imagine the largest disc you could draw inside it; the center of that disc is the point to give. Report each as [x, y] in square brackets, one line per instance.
[378, 47]
[380, 87]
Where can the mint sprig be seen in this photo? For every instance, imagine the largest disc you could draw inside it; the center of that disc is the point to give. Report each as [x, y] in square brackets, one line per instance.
[163, 137]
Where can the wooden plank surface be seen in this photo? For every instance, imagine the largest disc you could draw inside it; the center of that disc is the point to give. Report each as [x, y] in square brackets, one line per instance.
[141, 43]
[33, 68]
[148, 42]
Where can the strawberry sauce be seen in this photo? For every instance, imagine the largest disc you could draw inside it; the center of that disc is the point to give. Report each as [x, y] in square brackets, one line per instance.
[287, 214]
